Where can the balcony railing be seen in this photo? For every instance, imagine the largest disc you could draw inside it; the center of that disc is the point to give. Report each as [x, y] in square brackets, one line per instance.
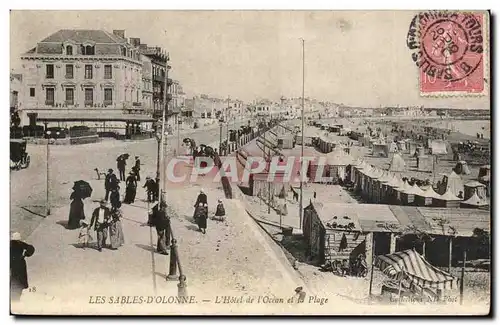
[107, 103]
[69, 76]
[89, 103]
[69, 102]
[49, 102]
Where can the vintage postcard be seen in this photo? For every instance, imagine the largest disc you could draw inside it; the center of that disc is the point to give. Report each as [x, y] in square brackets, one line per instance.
[250, 163]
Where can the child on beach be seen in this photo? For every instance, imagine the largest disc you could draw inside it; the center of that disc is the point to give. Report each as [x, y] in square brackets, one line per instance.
[84, 238]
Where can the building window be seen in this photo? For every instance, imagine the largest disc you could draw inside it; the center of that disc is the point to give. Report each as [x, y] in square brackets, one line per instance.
[32, 92]
[108, 96]
[69, 50]
[108, 71]
[69, 71]
[70, 96]
[49, 96]
[88, 71]
[88, 50]
[124, 51]
[49, 71]
[89, 97]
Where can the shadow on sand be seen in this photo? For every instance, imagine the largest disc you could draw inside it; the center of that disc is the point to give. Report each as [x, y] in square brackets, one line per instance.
[193, 228]
[63, 223]
[147, 247]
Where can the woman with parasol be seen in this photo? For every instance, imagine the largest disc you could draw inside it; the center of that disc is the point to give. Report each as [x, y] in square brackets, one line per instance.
[131, 188]
[81, 190]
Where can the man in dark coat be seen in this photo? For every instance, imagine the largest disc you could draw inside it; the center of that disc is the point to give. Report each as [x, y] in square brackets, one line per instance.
[121, 164]
[150, 189]
[100, 221]
[18, 272]
[158, 218]
[137, 168]
[110, 183]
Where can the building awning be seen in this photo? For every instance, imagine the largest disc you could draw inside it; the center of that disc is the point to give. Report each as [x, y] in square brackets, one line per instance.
[411, 267]
[101, 116]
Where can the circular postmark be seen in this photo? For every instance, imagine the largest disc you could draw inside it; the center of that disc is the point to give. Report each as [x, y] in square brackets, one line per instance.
[447, 45]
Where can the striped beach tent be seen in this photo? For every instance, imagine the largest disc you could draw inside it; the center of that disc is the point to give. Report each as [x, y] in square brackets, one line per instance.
[414, 271]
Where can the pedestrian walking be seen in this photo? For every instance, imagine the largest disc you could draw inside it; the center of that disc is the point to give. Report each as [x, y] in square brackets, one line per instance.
[121, 164]
[137, 168]
[19, 250]
[202, 218]
[100, 222]
[220, 212]
[116, 237]
[150, 185]
[202, 198]
[158, 219]
[76, 211]
[84, 237]
[131, 189]
[114, 198]
[110, 183]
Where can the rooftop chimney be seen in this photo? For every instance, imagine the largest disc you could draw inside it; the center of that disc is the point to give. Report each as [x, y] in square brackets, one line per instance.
[119, 32]
[135, 41]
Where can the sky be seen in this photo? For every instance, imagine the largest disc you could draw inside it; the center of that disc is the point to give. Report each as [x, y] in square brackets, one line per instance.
[351, 57]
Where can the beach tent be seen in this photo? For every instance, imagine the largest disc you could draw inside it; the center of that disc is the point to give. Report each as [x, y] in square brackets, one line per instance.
[462, 168]
[397, 163]
[425, 163]
[484, 173]
[438, 147]
[403, 145]
[412, 148]
[474, 187]
[409, 193]
[420, 151]
[380, 150]
[392, 147]
[427, 197]
[414, 272]
[448, 200]
[474, 202]
[455, 184]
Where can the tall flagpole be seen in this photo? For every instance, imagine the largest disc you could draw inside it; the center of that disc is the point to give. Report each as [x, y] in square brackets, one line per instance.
[302, 145]
[162, 142]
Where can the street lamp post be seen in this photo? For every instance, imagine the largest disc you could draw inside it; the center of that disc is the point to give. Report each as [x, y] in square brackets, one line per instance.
[302, 136]
[221, 121]
[179, 121]
[47, 185]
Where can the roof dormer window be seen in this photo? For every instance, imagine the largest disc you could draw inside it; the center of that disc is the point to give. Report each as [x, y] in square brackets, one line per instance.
[88, 48]
[69, 50]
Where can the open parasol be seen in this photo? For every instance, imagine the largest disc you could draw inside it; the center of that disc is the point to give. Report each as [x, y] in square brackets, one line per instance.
[82, 189]
[123, 156]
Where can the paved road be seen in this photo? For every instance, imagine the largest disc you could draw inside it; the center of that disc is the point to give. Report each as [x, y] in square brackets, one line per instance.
[72, 163]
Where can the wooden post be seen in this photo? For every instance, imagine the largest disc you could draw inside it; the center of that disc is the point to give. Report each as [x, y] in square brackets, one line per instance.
[462, 277]
[450, 254]
[392, 247]
[172, 273]
[370, 252]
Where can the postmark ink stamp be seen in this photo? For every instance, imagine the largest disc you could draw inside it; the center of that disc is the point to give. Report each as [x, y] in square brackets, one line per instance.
[449, 48]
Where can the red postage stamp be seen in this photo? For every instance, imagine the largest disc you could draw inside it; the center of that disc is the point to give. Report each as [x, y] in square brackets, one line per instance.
[450, 50]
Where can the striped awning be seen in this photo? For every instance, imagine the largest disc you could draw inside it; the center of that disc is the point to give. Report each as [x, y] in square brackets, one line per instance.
[411, 268]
